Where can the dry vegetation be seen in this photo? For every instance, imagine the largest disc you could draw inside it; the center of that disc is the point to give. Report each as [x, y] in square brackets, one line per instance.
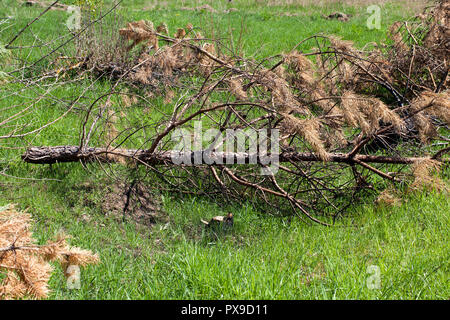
[26, 264]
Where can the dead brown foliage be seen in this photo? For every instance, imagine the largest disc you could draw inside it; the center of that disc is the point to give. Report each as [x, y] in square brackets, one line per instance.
[426, 176]
[25, 263]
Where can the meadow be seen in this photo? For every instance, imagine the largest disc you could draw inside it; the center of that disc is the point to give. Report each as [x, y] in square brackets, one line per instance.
[402, 249]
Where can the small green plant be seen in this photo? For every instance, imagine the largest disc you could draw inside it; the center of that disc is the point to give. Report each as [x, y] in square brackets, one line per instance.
[5, 56]
[93, 6]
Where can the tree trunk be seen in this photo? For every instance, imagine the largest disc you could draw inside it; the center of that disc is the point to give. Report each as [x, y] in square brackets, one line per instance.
[49, 155]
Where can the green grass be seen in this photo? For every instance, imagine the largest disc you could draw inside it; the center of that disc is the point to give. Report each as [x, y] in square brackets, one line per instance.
[262, 257]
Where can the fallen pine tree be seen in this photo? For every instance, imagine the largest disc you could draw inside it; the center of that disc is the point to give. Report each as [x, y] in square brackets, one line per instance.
[344, 114]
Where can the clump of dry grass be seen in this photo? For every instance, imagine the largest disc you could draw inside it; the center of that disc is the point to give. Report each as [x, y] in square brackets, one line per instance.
[25, 263]
[388, 198]
[426, 177]
[101, 45]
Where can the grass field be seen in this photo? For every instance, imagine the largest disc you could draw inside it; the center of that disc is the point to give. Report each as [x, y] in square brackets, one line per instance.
[263, 256]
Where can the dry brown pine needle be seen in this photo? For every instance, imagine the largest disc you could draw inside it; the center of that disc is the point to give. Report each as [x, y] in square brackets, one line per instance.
[25, 263]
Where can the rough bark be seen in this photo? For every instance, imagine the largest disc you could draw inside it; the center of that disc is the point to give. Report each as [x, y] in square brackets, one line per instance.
[58, 154]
